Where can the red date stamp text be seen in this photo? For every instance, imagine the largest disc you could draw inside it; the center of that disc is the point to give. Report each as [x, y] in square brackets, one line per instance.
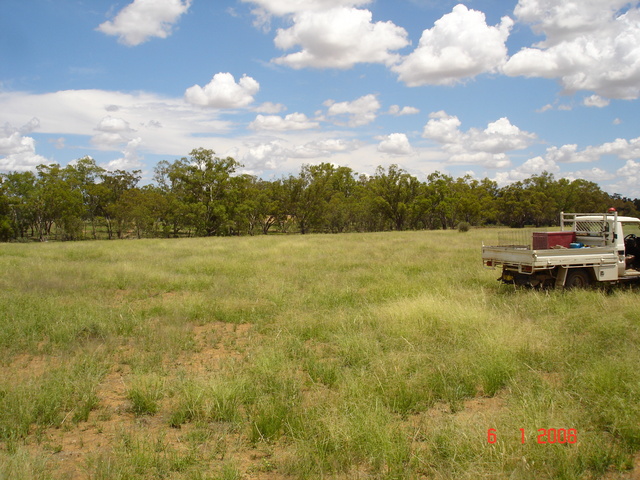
[544, 435]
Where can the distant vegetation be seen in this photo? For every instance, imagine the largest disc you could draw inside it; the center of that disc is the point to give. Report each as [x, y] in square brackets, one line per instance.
[202, 195]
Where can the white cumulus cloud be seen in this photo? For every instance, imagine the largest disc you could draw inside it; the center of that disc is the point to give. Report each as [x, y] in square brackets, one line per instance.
[265, 9]
[499, 137]
[332, 145]
[486, 147]
[395, 144]
[130, 160]
[533, 166]
[110, 120]
[276, 153]
[620, 147]
[339, 38]
[595, 174]
[286, 7]
[223, 92]
[596, 101]
[112, 132]
[113, 125]
[361, 111]
[630, 169]
[17, 150]
[459, 46]
[591, 45]
[293, 121]
[560, 21]
[395, 110]
[143, 19]
[265, 156]
[442, 128]
[629, 178]
[271, 108]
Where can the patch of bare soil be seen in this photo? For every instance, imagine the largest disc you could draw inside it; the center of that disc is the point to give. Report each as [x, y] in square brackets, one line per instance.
[216, 342]
[468, 410]
[480, 406]
[27, 366]
[633, 474]
[71, 448]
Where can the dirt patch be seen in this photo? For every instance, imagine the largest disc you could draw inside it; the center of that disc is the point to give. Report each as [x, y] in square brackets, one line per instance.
[630, 475]
[28, 366]
[480, 406]
[71, 448]
[215, 343]
[468, 409]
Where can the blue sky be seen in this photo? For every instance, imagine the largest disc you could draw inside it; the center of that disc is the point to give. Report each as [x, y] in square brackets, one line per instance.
[502, 89]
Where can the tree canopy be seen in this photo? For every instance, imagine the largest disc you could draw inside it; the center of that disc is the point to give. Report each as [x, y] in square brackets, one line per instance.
[204, 195]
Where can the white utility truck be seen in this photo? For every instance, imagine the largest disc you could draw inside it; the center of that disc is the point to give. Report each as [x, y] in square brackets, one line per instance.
[589, 248]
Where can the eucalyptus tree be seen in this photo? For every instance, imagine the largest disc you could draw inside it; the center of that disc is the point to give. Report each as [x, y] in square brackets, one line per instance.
[394, 193]
[341, 209]
[474, 201]
[113, 186]
[6, 227]
[542, 198]
[179, 215]
[84, 175]
[306, 194]
[584, 196]
[19, 191]
[140, 210]
[259, 206]
[442, 200]
[320, 197]
[56, 203]
[521, 205]
[205, 182]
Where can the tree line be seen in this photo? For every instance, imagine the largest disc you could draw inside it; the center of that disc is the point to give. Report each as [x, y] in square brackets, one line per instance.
[203, 195]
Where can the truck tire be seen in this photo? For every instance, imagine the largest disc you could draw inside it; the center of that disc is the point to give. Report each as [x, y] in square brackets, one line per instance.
[577, 278]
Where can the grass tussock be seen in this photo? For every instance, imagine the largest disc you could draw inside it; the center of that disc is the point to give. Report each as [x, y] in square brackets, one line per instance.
[385, 355]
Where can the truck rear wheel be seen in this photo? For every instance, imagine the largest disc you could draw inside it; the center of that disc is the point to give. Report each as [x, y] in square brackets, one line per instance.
[577, 278]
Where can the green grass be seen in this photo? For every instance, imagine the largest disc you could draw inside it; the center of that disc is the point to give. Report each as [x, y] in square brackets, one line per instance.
[385, 355]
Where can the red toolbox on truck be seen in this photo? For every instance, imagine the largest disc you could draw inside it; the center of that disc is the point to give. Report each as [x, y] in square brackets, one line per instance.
[546, 240]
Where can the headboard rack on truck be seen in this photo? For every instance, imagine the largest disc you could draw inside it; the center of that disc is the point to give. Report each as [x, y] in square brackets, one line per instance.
[591, 229]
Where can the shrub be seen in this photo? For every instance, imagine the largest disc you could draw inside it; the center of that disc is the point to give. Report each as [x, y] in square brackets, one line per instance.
[464, 227]
[6, 231]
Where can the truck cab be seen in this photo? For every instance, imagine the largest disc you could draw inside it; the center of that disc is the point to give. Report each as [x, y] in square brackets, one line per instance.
[619, 232]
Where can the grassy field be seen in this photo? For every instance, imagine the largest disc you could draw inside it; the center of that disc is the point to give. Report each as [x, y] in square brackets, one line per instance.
[364, 356]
